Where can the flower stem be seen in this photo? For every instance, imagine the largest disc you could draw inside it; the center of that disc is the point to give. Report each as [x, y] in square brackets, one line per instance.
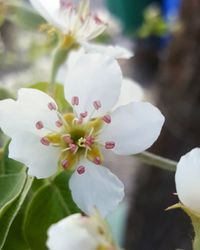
[59, 58]
[157, 161]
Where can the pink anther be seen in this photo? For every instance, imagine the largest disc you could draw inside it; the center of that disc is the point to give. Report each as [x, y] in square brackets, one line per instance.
[52, 106]
[66, 4]
[110, 145]
[89, 140]
[79, 121]
[97, 160]
[45, 141]
[97, 105]
[83, 115]
[107, 119]
[81, 170]
[65, 164]
[39, 125]
[75, 101]
[67, 139]
[59, 123]
[73, 147]
[97, 20]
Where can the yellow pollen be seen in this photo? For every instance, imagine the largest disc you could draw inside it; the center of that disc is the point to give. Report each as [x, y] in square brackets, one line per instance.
[68, 41]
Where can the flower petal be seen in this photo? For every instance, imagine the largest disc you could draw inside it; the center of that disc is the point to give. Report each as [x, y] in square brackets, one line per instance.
[23, 114]
[96, 187]
[69, 234]
[187, 179]
[116, 51]
[41, 160]
[130, 91]
[134, 128]
[89, 79]
[48, 10]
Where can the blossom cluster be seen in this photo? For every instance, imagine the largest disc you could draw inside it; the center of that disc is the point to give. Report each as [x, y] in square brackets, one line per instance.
[47, 141]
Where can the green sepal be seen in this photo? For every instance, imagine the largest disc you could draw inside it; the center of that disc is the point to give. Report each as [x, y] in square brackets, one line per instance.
[58, 94]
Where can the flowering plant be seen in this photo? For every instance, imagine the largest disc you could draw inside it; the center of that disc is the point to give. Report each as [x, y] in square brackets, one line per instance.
[56, 188]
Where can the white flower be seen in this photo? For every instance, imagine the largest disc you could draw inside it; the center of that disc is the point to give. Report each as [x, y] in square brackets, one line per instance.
[41, 136]
[187, 180]
[78, 232]
[77, 25]
[71, 20]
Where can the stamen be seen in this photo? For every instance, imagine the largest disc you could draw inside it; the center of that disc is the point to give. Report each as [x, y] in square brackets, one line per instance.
[52, 106]
[45, 141]
[89, 140]
[75, 101]
[73, 147]
[110, 145]
[66, 4]
[97, 20]
[39, 125]
[97, 105]
[97, 160]
[65, 164]
[78, 121]
[81, 170]
[59, 123]
[107, 119]
[67, 139]
[83, 115]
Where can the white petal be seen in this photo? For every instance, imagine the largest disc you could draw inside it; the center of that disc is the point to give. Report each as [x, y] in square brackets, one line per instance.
[68, 234]
[90, 29]
[96, 187]
[47, 9]
[41, 160]
[116, 52]
[90, 78]
[23, 114]
[72, 59]
[130, 91]
[134, 128]
[187, 180]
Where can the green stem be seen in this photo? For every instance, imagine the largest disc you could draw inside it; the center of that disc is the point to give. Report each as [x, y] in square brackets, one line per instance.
[58, 60]
[157, 161]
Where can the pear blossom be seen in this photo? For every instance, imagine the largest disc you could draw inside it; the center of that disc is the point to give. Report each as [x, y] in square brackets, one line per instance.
[76, 25]
[187, 180]
[75, 22]
[80, 232]
[42, 137]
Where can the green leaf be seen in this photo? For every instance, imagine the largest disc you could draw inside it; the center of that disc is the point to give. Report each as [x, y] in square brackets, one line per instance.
[9, 165]
[11, 187]
[8, 217]
[58, 94]
[61, 182]
[25, 17]
[5, 93]
[15, 239]
[50, 204]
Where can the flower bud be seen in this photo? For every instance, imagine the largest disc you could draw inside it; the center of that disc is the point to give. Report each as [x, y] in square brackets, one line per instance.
[79, 232]
[188, 180]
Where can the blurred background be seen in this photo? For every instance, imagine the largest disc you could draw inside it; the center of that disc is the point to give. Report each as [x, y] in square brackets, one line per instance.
[165, 38]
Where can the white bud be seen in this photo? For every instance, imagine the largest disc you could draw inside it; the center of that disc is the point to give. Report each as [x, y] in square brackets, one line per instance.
[78, 232]
[188, 180]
